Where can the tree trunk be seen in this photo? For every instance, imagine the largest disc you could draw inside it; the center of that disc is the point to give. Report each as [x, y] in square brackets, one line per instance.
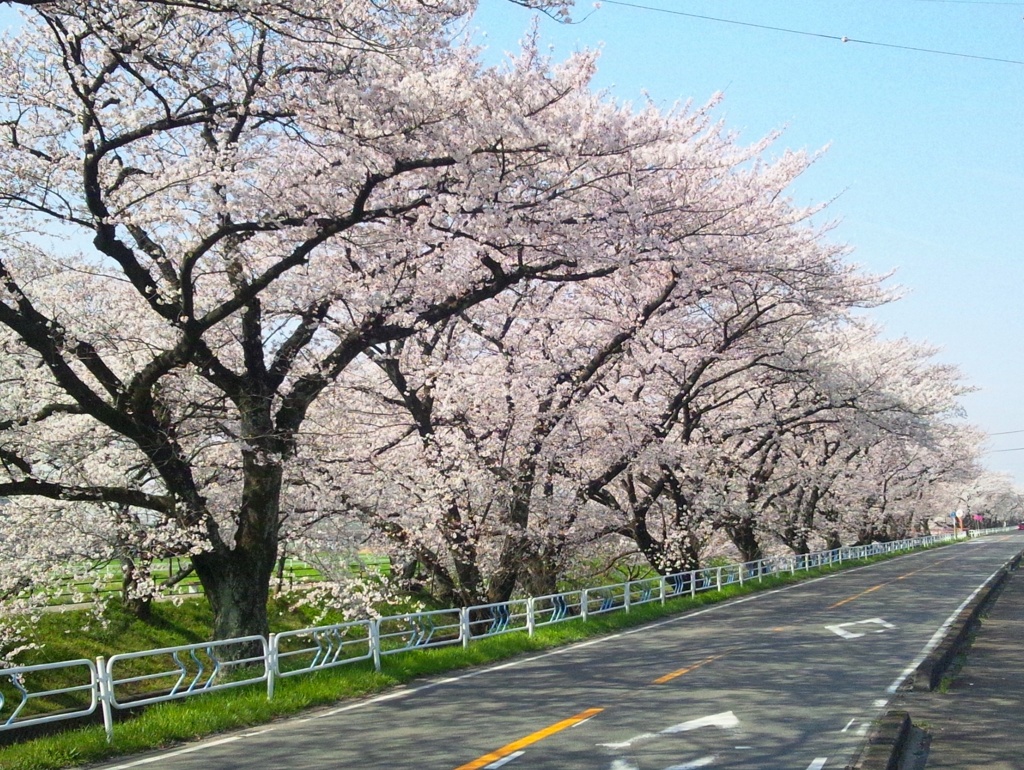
[506, 575]
[741, 533]
[237, 586]
[139, 605]
[541, 571]
[236, 578]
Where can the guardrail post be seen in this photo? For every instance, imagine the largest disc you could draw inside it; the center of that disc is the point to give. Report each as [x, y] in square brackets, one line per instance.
[272, 662]
[625, 596]
[375, 642]
[584, 603]
[718, 578]
[661, 589]
[743, 568]
[531, 620]
[464, 628]
[106, 696]
[693, 583]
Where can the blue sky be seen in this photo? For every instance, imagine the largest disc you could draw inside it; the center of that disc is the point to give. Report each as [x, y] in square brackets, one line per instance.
[926, 150]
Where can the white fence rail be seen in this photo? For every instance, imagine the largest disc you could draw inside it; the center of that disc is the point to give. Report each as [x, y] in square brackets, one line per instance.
[183, 671]
[22, 678]
[132, 680]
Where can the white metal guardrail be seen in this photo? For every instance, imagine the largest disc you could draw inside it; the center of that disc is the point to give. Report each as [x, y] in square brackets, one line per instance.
[20, 680]
[183, 671]
[136, 679]
[314, 649]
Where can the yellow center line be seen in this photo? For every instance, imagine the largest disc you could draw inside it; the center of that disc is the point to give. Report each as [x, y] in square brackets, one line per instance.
[857, 596]
[529, 740]
[883, 585]
[940, 561]
[687, 670]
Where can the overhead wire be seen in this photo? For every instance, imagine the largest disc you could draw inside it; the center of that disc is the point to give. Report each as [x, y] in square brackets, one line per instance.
[968, 2]
[804, 33]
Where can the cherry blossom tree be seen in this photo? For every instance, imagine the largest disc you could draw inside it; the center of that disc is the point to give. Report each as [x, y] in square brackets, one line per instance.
[307, 271]
[991, 496]
[527, 410]
[495, 402]
[705, 386]
[851, 393]
[211, 210]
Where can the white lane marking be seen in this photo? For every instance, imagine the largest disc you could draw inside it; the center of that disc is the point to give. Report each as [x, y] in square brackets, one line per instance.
[702, 762]
[724, 720]
[169, 754]
[842, 632]
[372, 701]
[840, 628]
[881, 703]
[630, 742]
[818, 763]
[863, 729]
[936, 637]
[621, 764]
[848, 725]
[504, 760]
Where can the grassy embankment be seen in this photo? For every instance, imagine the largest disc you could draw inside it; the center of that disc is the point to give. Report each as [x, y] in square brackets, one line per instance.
[70, 635]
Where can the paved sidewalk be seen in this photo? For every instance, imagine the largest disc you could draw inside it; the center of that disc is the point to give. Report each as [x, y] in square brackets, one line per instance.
[979, 721]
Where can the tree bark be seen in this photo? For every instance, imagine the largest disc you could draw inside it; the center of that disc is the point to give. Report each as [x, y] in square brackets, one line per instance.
[237, 577]
[741, 533]
[237, 584]
[141, 606]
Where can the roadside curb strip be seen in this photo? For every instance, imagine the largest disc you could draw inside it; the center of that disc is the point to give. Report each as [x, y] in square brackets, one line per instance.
[885, 743]
[929, 673]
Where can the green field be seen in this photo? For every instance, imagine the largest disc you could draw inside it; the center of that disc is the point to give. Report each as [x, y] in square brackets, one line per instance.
[104, 580]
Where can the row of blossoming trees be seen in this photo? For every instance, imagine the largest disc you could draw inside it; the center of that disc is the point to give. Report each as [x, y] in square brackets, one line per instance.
[308, 276]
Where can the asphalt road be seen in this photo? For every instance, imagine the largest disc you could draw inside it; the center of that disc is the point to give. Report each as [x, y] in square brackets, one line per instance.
[790, 678]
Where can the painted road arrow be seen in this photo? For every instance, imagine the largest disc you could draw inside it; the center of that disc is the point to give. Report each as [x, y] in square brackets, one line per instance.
[841, 629]
[724, 720]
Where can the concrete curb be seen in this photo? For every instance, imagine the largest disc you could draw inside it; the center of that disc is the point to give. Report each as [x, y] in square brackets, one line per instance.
[887, 739]
[885, 743]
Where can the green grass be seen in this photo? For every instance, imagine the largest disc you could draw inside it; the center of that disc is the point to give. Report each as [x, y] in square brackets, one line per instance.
[170, 723]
